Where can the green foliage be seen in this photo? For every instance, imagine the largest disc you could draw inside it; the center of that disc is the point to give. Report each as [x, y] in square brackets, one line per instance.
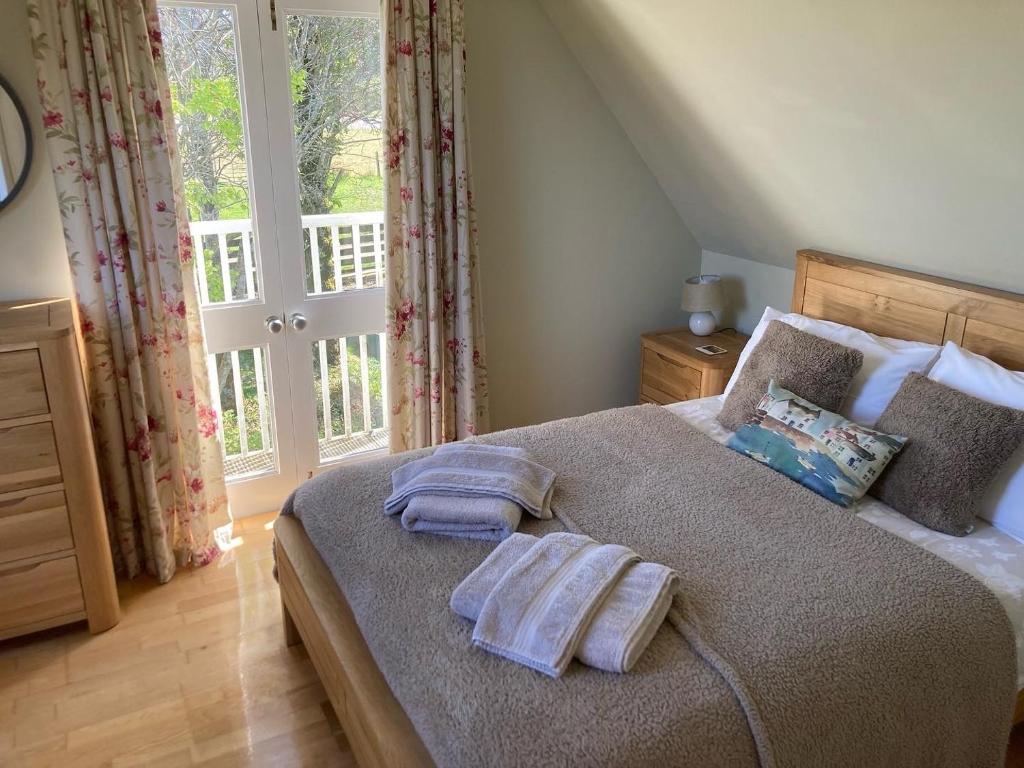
[355, 194]
[250, 404]
[334, 383]
[335, 87]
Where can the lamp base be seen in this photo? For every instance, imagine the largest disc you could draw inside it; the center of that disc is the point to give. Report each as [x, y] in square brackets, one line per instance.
[702, 323]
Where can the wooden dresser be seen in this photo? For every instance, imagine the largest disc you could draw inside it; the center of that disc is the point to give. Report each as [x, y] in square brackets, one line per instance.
[672, 370]
[55, 563]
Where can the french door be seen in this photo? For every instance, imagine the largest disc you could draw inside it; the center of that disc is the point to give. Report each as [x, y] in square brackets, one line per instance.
[278, 112]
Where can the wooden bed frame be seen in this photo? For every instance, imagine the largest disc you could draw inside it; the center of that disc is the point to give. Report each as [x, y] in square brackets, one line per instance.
[882, 300]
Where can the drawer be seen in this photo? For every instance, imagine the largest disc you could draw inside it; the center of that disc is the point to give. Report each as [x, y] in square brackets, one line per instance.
[39, 592]
[21, 374]
[34, 525]
[28, 457]
[666, 381]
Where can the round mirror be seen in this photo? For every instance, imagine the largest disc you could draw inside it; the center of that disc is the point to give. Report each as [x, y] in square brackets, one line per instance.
[15, 144]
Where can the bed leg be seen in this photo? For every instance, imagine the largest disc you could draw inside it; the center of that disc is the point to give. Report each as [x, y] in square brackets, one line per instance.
[291, 631]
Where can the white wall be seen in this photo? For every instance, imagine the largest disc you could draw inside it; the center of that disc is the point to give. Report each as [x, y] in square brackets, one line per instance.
[580, 249]
[33, 259]
[749, 287]
[888, 131]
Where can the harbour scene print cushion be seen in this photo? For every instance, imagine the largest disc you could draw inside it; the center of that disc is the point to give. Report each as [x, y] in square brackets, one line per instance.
[821, 450]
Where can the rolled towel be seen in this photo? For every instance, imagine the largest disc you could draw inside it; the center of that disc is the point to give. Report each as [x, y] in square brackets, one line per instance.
[488, 518]
[625, 622]
[539, 611]
[472, 471]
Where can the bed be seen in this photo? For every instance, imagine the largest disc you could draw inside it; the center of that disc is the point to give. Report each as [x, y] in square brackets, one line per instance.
[881, 300]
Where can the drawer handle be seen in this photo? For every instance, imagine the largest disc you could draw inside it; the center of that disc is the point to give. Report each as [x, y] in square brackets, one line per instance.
[668, 360]
[22, 569]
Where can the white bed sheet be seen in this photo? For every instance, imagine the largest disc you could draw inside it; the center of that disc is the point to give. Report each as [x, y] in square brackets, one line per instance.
[994, 558]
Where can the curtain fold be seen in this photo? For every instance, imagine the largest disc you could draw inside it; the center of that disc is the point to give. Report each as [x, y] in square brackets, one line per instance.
[437, 376]
[110, 139]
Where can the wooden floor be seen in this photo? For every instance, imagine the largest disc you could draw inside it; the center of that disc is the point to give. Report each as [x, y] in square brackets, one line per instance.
[196, 673]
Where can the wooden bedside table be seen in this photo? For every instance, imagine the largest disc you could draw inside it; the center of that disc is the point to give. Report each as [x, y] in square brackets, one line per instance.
[671, 368]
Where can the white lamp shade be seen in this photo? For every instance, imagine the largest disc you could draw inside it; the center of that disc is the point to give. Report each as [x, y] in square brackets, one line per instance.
[703, 294]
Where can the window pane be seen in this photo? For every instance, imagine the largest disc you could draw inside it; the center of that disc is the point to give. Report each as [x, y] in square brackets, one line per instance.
[336, 103]
[200, 49]
[240, 388]
[350, 407]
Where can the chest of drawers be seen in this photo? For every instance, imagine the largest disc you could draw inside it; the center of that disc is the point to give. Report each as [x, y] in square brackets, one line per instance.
[673, 369]
[55, 563]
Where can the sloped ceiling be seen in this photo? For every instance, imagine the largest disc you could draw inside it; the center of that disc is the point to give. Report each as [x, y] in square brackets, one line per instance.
[892, 131]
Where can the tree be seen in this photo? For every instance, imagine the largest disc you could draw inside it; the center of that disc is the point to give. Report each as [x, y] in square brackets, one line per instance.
[336, 92]
[202, 69]
[336, 98]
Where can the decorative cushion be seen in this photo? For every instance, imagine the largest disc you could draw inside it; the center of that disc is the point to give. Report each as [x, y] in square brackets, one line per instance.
[887, 362]
[816, 369]
[821, 450]
[957, 445]
[975, 375]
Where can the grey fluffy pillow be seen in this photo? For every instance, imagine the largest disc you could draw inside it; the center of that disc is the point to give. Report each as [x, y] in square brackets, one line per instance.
[956, 446]
[809, 366]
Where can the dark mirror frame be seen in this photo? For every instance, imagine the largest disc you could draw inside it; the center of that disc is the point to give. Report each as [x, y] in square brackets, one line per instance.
[6, 86]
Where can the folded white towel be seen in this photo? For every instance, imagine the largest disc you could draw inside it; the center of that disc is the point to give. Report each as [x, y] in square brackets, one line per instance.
[498, 450]
[622, 628]
[489, 518]
[474, 470]
[627, 620]
[469, 596]
[540, 609]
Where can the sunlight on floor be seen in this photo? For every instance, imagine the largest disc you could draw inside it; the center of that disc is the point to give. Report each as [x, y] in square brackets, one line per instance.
[196, 673]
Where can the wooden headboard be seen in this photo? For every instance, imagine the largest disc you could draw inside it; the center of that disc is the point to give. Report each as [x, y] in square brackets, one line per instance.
[909, 305]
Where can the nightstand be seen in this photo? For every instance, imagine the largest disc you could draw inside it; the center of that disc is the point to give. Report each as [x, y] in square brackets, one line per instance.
[671, 368]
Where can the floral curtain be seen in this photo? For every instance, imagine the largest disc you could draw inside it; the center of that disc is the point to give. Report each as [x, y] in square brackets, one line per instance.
[437, 379]
[104, 90]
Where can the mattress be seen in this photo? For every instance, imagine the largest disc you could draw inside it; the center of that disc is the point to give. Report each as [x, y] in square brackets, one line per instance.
[988, 554]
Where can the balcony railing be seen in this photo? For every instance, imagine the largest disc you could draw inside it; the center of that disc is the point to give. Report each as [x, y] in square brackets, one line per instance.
[349, 383]
[341, 252]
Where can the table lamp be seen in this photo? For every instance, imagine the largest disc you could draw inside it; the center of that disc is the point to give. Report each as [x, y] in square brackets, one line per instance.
[703, 295]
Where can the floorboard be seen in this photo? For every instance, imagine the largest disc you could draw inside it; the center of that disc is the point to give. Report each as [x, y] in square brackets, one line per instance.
[196, 674]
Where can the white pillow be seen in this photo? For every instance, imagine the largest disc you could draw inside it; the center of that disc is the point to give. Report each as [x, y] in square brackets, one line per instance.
[887, 362]
[978, 376]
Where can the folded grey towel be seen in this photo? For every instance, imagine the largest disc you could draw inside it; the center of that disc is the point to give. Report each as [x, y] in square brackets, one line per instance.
[489, 518]
[498, 450]
[469, 597]
[540, 609]
[473, 470]
[627, 620]
[625, 623]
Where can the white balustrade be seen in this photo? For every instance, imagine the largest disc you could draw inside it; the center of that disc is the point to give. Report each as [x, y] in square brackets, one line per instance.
[355, 238]
[337, 440]
[371, 424]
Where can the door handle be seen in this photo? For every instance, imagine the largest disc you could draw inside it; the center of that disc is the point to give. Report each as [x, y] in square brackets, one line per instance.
[274, 324]
[298, 321]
